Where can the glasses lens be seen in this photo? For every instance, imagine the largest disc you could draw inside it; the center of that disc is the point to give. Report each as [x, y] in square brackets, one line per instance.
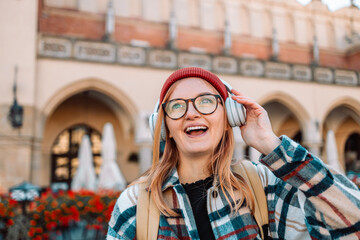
[206, 104]
[175, 108]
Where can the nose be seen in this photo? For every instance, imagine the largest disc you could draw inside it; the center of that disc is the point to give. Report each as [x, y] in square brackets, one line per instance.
[191, 111]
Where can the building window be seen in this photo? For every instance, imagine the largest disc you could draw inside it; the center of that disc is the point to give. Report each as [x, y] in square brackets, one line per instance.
[64, 154]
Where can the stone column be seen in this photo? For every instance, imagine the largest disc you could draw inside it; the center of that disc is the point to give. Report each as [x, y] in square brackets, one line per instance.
[144, 141]
[145, 157]
[312, 137]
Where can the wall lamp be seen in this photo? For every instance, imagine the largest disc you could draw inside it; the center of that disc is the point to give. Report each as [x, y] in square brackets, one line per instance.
[16, 111]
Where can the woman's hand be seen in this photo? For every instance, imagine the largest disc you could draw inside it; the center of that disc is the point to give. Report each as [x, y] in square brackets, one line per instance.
[257, 132]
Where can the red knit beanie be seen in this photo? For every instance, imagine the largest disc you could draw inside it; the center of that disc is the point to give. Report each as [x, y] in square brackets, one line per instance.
[194, 72]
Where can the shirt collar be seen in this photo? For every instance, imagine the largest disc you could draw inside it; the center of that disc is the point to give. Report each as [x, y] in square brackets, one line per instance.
[172, 180]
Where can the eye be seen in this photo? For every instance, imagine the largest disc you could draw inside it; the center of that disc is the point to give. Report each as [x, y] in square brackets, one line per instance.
[175, 105]
[207, 99]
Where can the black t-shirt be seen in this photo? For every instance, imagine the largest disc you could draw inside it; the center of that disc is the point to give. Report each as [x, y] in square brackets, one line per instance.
[197, 193]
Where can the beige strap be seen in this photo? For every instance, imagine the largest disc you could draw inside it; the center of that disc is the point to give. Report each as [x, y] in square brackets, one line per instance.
[248, 171]
[147, 215]
[142, 212]
[154, 219]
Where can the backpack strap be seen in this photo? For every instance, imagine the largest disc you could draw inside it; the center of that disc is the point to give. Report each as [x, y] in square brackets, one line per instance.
[154, 220]
[142, 212]
[147, 215]
[248, 171]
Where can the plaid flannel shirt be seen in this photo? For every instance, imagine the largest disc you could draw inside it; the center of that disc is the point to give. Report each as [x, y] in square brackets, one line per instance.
[306, 200]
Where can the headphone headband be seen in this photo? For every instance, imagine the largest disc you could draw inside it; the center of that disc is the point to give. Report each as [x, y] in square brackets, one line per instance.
[227, 85]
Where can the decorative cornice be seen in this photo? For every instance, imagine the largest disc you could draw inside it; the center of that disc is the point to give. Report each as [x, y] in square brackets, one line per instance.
[114, 53]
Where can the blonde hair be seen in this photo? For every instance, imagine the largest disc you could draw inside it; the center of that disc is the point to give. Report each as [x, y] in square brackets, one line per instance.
[220, 167]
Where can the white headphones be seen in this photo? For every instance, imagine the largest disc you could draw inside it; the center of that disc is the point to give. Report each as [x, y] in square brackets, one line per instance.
[235, 112]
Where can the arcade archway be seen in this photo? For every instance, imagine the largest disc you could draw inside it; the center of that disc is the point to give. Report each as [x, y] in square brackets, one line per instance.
[87, 112]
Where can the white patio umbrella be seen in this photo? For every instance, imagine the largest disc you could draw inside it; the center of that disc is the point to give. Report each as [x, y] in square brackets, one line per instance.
[85, 177]
[110, 175]
[331, 152]
[254, 154]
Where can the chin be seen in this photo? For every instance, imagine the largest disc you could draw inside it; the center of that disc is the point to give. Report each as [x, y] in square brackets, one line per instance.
[199, 150]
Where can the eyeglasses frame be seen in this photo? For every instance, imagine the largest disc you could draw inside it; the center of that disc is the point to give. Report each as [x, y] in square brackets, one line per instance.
[217, 96]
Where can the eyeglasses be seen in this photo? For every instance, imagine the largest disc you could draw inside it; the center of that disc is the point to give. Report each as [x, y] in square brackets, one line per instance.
[204, 104]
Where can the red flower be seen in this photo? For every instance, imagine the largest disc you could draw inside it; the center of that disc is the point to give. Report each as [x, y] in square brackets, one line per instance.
[10, 222]
[99, 206]
[32, 222]
[80, 204]
[53, 215]
[57, 211]
[31, 232]
[12, 202]
[96, 227]
[32, 205]
[71, 194]
[54, 204]
[64, 221]
[40, 208]
[51, 225]
[73, 210]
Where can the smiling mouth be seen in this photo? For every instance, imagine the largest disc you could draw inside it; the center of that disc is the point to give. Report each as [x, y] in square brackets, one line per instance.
[196, 130]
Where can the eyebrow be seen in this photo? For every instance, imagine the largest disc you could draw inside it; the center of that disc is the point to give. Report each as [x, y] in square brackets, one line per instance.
[202, 93]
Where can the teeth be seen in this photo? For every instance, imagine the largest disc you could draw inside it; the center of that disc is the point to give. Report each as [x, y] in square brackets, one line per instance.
[196, 128]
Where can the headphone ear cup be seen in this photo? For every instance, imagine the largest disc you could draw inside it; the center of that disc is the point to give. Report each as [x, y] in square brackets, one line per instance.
[235, 112]
[152, 124]
[163, 132]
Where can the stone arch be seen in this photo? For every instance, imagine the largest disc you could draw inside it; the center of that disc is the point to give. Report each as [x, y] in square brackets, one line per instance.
[112, 104]
[347, 102]
[91, 84]
[292, 104]
[342, 117]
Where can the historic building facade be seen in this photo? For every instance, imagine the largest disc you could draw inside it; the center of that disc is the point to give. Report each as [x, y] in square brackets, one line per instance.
[82, 63]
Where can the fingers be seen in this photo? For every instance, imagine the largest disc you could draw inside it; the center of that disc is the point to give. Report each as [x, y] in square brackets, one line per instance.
[246, 101]
[237, 93]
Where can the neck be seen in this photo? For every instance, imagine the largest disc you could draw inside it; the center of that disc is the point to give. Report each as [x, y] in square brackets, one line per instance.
[193, 168]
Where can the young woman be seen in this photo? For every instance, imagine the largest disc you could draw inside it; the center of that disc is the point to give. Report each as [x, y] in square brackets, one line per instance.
[199, 196]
